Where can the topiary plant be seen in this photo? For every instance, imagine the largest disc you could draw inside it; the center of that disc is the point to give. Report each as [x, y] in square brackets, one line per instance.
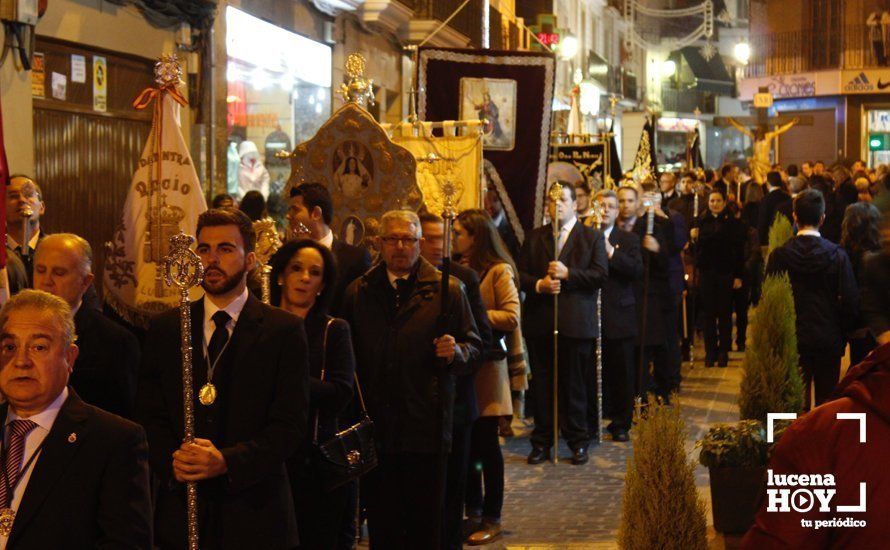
[661, 508]
[771, 380]
[741, 445]
[779, 233]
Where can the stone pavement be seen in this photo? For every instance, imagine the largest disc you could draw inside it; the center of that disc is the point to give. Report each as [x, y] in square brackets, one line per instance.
[551, 507]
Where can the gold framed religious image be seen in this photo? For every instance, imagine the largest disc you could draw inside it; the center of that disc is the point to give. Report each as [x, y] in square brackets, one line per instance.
[492, 99]
[353, 169]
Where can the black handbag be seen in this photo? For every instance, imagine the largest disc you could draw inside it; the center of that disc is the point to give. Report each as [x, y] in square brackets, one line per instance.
[351, 453]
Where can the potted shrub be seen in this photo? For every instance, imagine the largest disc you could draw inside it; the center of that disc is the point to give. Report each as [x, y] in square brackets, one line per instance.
[736, 456]
[661, 507]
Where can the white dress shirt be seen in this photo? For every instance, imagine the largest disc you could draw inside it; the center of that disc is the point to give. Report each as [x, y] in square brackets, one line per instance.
[233, 309]
[33, 440]
[328, 240]
[12, 244]
[808, 232]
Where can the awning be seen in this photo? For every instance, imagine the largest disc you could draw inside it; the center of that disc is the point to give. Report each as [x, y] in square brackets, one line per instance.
[710, 76]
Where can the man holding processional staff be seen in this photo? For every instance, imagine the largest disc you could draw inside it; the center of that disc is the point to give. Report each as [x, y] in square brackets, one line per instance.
[573, 267]
[250, 405]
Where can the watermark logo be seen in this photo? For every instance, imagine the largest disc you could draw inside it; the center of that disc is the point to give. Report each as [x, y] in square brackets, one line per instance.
[803, 493]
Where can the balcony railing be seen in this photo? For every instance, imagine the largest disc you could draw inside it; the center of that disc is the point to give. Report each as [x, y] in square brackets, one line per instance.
[468, 21]
[686, 101]
[848, 47]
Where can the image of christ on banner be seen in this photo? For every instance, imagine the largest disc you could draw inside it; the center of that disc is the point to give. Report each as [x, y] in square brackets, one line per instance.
[494, 100]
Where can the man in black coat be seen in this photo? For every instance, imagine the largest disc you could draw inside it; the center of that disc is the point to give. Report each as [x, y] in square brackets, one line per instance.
[252, 386]
[825, 294]
[776, 201]
[876, 291]
[574, 271]
[495, 208]
[407, 359]
[655, 292]
[107, 364]
[82, 477]
[311, 205]
[619, 316]
[466, 410]
[23, 194]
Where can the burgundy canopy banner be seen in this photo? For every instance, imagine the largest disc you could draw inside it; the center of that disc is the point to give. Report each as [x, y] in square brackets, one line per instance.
[513, 92]
[4, 181]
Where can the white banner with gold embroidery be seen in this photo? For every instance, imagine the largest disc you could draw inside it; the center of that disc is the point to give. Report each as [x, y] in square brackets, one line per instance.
[154, 211]
[441, 160]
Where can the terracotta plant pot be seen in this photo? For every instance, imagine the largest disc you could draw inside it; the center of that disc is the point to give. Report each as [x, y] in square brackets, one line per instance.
[735, 497]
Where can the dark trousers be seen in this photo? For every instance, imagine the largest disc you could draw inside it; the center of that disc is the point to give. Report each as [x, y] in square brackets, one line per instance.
[618, 380]
[669, 364]
[860, 347]
[741, 300]
[455, 486]
[716, 297]
[574, 354]
[823, 370]
[404, 497]
[486, 466]
[319, 513]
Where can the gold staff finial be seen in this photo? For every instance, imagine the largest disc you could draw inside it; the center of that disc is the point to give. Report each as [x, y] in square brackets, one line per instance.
[267, 244]
[168, 71]
[358, 89]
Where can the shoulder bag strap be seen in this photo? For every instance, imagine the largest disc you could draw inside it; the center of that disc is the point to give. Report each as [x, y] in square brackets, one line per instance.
[324, 350]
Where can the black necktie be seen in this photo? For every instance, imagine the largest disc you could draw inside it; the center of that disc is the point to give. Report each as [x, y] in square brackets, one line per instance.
[220, 335]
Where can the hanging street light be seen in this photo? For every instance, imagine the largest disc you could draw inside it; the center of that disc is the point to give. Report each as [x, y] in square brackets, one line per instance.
[742, 52]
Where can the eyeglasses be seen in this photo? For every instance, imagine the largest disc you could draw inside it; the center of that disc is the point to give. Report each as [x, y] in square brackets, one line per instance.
[405, 241]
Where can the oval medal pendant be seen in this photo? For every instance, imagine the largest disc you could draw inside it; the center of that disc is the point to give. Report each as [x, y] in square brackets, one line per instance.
[207, 394]
[7, 518]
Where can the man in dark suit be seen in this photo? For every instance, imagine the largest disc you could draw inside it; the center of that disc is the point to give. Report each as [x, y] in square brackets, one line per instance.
[574, 271]
[619, 316]
[825, 294]
[407, 361]
[776, 201]
[107, 364]
[75, 475]
[495, 208]
[311, 206]
[466, 410]
[251, 380]
[656, 247]
[23, 195]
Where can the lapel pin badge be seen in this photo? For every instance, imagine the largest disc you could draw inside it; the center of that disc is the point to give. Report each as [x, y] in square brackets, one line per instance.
[72, 438]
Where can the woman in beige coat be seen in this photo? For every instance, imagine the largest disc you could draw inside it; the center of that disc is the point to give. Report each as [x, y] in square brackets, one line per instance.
[477, 240]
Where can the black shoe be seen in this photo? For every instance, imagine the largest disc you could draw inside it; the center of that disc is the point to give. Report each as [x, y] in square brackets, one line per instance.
[740, 348]
[620, 435]
[723, 361]
[538, 455]
[580, 456]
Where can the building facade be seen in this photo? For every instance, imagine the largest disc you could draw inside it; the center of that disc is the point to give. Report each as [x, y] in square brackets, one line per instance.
[825, 60]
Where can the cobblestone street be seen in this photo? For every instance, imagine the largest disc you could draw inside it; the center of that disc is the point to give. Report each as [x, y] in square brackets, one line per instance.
[574, 507]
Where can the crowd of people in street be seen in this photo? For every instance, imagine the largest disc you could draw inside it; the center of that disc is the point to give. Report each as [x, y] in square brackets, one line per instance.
[94, 452]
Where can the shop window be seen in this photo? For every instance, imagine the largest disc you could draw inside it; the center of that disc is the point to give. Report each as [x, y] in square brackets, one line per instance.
[279, 94]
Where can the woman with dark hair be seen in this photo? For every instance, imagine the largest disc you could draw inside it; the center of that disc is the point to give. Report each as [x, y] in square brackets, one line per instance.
[254, 205]
[303, 275]
[478, 242]
[719, 251]
[861, 236]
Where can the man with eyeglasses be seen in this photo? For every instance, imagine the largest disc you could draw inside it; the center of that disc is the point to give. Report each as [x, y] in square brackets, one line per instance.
[408, 356]
[24, 206]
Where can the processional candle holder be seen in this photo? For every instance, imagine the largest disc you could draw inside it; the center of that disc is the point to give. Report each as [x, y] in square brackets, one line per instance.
[555, 196]
[183, 269]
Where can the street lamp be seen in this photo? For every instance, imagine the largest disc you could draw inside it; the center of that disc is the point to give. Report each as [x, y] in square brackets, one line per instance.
[668, 68]
[568, 47]
[742, 52]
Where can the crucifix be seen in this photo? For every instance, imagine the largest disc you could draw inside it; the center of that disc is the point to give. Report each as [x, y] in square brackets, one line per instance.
[761, 135]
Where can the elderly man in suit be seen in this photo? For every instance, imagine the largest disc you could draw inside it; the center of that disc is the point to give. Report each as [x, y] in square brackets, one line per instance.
[311, 205]
[575, 270]
[74, 476]
[619, 316]
[252, 383]
[106, 367]
[407, 360]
